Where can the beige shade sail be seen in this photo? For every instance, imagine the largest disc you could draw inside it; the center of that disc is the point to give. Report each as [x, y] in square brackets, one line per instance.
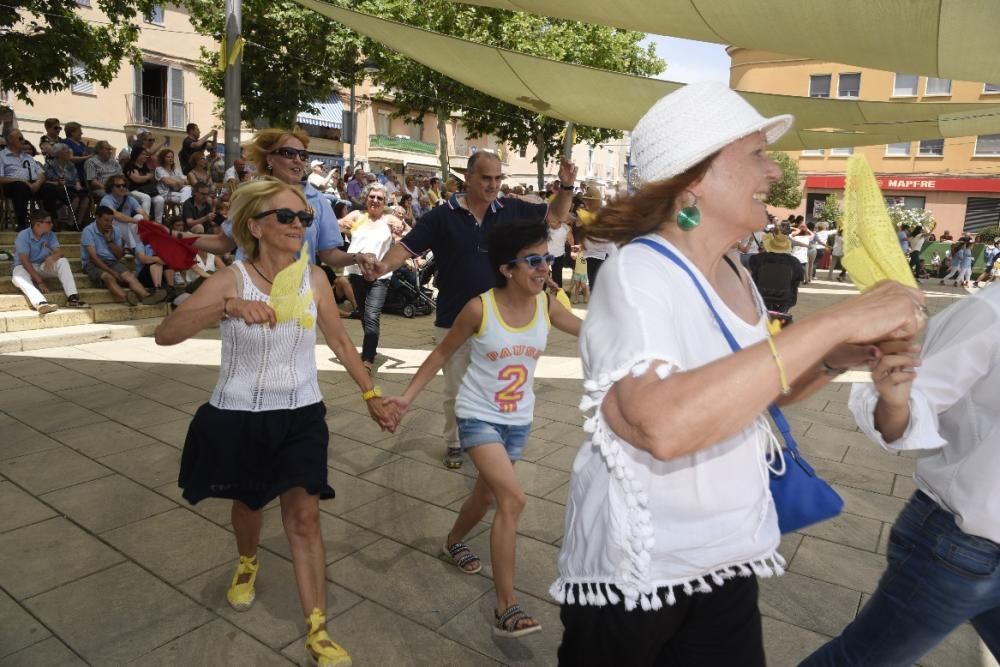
[953, 39]
[584, 95]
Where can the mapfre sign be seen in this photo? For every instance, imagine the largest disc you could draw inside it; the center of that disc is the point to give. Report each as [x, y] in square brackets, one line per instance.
[910, 184]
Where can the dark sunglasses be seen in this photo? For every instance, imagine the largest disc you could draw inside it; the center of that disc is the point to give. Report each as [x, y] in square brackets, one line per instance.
[119, 185]
[291, 153]
[286, 216]
[376, 198]
[535, 261]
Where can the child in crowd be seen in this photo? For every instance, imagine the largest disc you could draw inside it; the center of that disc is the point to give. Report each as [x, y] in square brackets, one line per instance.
[506, 328]
[579, 290]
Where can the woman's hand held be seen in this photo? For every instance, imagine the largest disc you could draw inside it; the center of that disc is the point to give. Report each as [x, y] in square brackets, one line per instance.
[887, 311]
[895, 371]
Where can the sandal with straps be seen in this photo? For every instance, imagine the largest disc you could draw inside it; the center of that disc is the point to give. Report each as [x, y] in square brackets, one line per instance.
[242, 593]
[507, 623]
[455, 552]
[320, 649]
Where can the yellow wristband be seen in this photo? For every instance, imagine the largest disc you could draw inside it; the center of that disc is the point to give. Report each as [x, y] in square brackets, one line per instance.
[374, 392]
[785, 387]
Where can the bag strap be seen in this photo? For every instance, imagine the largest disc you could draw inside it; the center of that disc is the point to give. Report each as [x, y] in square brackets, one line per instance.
[775, 412]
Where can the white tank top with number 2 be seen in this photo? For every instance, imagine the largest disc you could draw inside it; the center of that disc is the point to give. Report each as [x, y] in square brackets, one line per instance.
[498, 385]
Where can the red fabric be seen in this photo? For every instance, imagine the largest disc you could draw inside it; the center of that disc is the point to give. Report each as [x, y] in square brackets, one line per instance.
[179, 254]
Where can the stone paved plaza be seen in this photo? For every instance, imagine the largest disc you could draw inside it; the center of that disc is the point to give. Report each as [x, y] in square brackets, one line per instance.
[102, 563]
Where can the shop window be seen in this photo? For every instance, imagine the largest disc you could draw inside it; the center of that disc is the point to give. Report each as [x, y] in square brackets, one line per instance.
[902, 149]
[819, 85]
[812, 152]
[842, 152]
[849, 85]
[931, 148]
[988, 145]
[937, 86]
[905, 85]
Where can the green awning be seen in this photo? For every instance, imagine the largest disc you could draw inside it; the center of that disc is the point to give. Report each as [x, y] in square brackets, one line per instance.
[581, 94]
[952, 39]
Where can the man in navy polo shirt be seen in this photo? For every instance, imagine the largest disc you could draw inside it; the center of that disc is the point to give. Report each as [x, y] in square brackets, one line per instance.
[456, 232]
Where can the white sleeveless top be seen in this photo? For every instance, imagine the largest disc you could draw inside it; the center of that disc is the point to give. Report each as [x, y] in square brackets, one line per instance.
[498, 386]
[266, 368]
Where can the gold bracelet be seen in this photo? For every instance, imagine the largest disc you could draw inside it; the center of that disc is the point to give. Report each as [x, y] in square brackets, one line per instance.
[785, 387]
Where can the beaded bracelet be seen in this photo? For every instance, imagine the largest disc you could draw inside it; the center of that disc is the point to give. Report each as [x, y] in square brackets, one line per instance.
[785, 387]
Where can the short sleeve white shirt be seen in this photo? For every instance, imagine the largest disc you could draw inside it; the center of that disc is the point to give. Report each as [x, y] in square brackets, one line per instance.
[653, 528]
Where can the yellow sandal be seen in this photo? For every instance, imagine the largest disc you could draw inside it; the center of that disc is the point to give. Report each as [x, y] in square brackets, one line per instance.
[323, 651]
[242, 593]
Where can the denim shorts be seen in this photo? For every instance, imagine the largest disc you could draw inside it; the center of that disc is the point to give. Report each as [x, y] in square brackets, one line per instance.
[475, 432]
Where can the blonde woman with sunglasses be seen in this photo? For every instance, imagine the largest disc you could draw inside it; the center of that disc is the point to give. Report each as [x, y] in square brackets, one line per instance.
[262, 435]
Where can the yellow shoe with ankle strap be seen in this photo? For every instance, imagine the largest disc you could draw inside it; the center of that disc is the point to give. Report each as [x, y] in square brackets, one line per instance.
[241, 593]
[322, 650]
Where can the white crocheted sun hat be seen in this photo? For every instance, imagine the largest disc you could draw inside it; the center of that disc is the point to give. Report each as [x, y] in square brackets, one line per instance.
[693, 122]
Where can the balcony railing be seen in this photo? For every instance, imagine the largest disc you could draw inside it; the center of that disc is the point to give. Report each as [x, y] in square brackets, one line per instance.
[157, 111]
[401, 144]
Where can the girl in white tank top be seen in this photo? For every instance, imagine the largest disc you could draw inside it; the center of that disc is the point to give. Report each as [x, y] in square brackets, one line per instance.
[508, 327]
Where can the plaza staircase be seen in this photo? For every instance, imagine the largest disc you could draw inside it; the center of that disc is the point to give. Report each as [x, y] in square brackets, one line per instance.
[23, 329]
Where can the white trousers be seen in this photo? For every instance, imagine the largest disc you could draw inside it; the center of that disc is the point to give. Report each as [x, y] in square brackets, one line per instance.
[960, 275]
[22, 280]
[178, 196]
[151, 205]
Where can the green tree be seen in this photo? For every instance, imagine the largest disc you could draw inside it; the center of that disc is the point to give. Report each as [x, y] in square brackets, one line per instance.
[786, 192]
[43, 38]
[830, 212]
[293, 59]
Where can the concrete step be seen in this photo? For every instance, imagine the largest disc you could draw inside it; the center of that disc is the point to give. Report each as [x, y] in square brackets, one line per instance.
[70, 250]
[7, 266]
[15, 302]
[65, 238]
[39, 339]
[30, 320]
[7, 286]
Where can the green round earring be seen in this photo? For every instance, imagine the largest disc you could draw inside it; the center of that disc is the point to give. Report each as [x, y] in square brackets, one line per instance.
[689, 217]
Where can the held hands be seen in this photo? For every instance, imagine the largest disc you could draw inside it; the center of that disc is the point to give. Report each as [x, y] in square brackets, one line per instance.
[888, 311]
[399, 406]
[895, 371]
[251, 312]
[370, 267]
[386, 416]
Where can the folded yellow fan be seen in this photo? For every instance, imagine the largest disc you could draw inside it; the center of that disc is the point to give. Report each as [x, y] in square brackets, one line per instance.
[871, 245]
[285, 299]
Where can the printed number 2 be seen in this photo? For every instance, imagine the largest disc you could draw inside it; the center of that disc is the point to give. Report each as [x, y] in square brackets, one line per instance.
[508, 397]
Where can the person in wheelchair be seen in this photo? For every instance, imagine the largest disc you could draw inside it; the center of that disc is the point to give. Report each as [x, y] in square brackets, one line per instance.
[777, 273]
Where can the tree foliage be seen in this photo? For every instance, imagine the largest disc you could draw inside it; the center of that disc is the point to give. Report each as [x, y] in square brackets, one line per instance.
[42, 38]
[786, 192]
[830, 212]
[294, 58]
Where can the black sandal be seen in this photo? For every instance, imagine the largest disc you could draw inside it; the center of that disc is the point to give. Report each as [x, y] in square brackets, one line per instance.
[454, 552]
[507, 623]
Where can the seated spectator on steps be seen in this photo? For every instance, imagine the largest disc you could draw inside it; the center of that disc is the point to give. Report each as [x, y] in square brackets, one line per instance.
[101, 253]
[50, 138]
[193, 143]
[171, 182]
[235, 175]
[198, 170]
[81, 151]
[142, 183]
[198, 212]
[61, 172]
[152, 271]
[101, 166]
[37, 256]
[23, 179]
[126, 210]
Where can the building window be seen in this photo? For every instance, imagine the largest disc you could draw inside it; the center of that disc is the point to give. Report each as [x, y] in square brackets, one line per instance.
[415, 130]
[937, 86]
[82, 85]
[819, 85]
[988, 144]
[812, 152]
[991, 88]
[901, 149]
[382, 123]
[155, 15]
[841, 152]
[905, 85]
[523, 153]
[83, 3]
[931, 147]
[849, 85]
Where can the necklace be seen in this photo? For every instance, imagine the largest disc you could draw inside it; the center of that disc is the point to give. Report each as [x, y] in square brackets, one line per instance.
[260, 274]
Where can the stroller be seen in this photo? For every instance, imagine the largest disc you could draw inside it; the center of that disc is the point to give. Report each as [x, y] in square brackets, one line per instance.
[407, 294]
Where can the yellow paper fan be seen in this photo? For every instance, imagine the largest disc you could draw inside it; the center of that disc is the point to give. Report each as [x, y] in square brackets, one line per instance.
[285, 299]
[871, 246]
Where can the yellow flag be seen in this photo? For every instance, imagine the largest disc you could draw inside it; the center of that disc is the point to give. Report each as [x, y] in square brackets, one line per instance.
[871, 245]
[285, 299]
[222, 55]
[227, 57]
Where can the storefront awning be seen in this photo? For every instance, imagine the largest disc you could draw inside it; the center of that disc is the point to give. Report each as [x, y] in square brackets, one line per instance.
[952, 39]
[580, 94]
[328, 114]
[912, 183]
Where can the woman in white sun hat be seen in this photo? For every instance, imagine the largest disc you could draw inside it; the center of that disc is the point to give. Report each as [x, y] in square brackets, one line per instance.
[669, 516]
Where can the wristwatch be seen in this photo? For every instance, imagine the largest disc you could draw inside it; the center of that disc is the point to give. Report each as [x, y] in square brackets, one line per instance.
[567, 188]
[374, 392]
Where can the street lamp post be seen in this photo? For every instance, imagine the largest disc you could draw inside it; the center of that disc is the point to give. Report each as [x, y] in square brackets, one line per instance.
[368, 68]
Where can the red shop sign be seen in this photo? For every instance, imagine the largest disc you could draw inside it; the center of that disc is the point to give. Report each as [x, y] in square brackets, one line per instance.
[909, 183]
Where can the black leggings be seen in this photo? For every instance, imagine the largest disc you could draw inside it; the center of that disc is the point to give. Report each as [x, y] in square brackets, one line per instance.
[557, 270]
[717, 629]
[593, 266]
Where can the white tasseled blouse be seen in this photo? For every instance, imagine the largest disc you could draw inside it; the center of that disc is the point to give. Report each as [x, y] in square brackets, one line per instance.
[265, 368]
[655, 529]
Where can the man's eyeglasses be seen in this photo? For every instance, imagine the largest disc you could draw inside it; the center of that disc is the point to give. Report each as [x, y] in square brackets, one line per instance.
[290, 153]
[376, 198]
[286, 216]
[119, 185]
[535, 261]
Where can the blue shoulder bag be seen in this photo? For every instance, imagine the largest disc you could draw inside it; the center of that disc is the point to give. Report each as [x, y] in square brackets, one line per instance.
[801, 497]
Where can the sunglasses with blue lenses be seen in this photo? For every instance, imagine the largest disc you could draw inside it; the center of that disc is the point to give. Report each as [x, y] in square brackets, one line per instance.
[286, 216]
[535, 261]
